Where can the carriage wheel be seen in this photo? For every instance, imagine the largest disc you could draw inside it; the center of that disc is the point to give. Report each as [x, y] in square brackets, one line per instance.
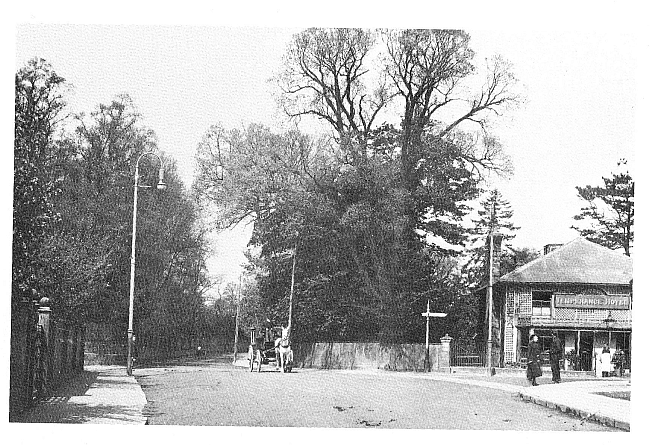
[259, 361]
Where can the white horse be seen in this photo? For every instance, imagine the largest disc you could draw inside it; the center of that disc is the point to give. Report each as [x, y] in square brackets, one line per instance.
[286, 354]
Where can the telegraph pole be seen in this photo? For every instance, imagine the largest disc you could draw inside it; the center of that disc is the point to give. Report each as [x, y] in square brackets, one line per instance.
[490, 291]
[489, 306]
[293, 281]
[237, 322]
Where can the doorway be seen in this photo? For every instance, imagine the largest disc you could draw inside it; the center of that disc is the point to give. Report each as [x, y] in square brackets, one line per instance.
[585, 350]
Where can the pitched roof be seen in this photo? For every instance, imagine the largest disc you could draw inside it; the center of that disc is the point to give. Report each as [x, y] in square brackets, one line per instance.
[579, 261]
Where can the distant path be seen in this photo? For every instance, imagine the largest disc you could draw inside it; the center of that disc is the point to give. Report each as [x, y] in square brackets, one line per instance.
[217, 393]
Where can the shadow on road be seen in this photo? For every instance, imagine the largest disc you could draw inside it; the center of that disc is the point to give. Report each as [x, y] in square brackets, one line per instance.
[184, 361]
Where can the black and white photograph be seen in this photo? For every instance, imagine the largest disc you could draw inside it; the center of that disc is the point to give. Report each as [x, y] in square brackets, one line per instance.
[369, 227]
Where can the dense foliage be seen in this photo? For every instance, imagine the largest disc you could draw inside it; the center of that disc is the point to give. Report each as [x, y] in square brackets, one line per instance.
[38, 106]
[73, 217]
[371, 214]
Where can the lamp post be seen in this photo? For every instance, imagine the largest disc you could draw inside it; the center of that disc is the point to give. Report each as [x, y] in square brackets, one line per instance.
[160, 186]
[234, 359]
[609, 322]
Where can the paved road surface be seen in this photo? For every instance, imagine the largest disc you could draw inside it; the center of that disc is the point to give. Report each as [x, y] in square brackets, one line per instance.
[217, 393]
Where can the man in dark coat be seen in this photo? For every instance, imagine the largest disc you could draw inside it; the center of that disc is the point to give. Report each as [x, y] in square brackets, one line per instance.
[555, 356]
[534, 369]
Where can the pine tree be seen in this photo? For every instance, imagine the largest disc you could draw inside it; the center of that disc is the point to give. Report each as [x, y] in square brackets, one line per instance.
[494, 216]
[609, 210]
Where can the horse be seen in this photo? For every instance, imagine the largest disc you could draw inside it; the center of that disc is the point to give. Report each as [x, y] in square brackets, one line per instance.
[286, 354]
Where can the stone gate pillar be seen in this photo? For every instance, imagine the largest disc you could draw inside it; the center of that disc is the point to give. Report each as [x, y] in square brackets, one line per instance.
[44, 313]
[444, 360]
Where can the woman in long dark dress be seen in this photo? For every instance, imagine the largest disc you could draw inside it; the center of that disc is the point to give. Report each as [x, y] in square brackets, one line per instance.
[534, 369]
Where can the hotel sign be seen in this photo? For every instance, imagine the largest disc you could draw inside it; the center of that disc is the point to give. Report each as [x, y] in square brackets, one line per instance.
[593, 301]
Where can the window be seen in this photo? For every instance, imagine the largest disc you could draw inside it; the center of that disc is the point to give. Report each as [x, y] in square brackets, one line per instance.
[542, 303]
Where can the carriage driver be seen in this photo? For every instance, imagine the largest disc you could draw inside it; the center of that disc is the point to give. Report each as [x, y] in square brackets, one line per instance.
[278, 339]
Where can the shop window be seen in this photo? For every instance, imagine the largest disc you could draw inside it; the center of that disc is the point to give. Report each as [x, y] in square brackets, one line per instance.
[542, 303]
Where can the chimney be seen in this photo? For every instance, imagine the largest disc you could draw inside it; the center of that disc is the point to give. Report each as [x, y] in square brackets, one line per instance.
[550, 248]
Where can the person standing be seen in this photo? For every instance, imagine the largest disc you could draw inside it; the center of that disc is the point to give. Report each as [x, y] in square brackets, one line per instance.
[276, 344]
[606, 362]
[555, 356]
[534, 369]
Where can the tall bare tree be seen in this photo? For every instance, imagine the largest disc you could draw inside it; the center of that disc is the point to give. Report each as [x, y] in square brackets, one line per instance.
[428, 69]
[324, 77]
[428, 166]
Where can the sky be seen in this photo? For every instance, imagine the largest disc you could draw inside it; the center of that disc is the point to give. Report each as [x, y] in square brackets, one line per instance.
[577, 120]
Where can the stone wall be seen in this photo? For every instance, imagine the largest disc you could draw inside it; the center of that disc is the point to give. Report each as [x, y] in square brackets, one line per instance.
[407, 357]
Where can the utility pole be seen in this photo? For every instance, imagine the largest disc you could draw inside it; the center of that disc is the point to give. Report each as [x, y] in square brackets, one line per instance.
[490, 291]
[234, 360]
[489, 295]
[293, 281]
[489, 306]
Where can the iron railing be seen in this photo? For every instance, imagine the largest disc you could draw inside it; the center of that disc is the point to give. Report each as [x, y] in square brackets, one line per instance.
[467, 354]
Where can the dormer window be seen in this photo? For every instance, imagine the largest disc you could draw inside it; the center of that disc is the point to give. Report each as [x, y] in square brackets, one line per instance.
[542, 303]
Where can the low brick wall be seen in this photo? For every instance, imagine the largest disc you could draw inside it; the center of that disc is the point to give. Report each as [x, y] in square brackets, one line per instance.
[407, 357]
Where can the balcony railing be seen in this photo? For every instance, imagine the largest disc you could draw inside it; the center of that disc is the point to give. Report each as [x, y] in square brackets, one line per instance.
[591, 317]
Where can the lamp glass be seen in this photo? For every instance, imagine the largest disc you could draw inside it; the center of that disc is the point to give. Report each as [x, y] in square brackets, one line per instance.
[161, 181]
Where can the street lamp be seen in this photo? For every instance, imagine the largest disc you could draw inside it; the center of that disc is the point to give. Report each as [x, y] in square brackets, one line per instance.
[609, 323]
[160, 186]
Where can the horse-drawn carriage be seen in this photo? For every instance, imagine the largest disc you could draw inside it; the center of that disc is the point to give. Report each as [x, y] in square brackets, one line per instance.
[263, 349]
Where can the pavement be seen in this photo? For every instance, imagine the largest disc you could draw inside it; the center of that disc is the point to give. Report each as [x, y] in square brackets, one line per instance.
[606, 401]
[99, 395]
[593, 399]
[106, 395]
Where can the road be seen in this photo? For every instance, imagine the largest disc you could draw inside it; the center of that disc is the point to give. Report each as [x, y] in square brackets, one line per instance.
[213, 392]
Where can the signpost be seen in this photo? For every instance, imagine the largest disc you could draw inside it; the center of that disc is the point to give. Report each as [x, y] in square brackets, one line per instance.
[429, 314]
